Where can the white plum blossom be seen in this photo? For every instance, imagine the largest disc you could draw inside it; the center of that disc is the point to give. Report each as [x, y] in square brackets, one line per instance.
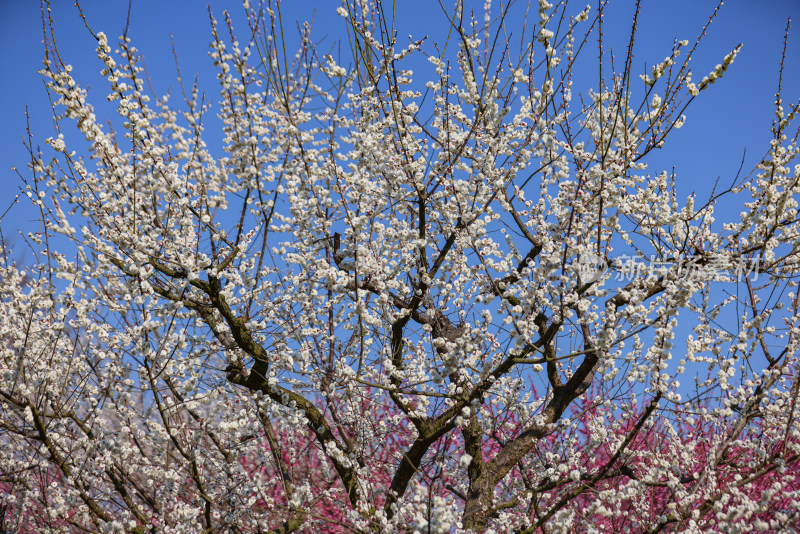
[444, 289]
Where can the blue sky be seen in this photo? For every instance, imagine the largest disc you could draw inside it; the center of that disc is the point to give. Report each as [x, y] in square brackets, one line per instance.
[732, 116]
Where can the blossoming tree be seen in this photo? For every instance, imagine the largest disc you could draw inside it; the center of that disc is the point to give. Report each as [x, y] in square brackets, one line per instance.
[396, 304]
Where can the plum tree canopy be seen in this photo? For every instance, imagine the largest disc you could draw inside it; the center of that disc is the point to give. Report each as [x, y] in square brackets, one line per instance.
[425, 285]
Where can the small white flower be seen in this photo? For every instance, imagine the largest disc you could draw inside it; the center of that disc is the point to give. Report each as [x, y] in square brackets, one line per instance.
[57, 144]
[656, 103]
[583, 15]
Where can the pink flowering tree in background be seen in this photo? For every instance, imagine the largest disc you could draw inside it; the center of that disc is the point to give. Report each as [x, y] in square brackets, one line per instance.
[399, 302]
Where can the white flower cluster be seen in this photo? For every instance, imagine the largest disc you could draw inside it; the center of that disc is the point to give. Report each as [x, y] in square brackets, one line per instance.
[659, 69]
